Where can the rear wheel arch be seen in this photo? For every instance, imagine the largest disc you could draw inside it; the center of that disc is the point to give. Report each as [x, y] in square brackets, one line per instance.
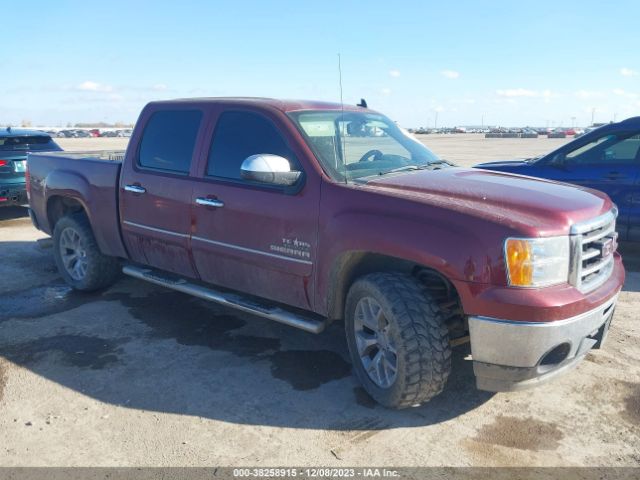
[59, 206]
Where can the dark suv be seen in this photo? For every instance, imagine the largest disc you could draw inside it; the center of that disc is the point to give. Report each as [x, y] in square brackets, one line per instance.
[14, 146]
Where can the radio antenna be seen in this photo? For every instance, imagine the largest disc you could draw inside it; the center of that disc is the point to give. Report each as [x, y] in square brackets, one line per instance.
[341, 136]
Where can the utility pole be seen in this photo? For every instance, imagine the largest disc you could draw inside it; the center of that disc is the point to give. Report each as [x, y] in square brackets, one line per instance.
[435, 124]
[593, 113]
[573, 122]
[482, 122]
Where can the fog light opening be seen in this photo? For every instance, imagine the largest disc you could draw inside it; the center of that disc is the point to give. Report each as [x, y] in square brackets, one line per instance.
[556, 356]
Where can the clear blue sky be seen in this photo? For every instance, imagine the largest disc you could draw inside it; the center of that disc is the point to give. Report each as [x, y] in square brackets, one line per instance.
[511, 63]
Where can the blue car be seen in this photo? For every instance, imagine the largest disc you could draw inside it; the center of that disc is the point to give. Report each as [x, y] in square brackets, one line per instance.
[607, 159]
[14, 146]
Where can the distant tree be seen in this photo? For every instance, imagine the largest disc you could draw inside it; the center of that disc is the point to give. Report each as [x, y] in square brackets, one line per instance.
[25, 123]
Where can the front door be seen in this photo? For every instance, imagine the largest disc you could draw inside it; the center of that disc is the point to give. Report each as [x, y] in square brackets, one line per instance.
[155, 190]
[256, 238]
[634, 212]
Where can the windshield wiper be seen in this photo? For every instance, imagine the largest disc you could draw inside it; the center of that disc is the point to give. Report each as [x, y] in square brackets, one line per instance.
[428, 166]
[406, 168]
[435, 165]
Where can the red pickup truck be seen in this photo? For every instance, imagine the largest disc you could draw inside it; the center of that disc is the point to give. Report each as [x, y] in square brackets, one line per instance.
[308, 212]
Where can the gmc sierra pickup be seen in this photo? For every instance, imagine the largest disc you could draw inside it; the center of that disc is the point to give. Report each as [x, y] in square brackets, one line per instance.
[307, 212]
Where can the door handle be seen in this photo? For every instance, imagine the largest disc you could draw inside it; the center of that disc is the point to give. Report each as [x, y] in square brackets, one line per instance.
[210, 202]
[614, 176]
[135, 189]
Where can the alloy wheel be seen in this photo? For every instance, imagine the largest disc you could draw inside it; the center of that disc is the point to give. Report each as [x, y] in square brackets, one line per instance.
[376, 348]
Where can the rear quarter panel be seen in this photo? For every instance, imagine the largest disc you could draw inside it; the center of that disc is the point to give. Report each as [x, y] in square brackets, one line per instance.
[91, 182]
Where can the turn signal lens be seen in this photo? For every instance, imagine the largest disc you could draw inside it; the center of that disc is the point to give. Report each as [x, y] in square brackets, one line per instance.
[519, 262]
[537, 262]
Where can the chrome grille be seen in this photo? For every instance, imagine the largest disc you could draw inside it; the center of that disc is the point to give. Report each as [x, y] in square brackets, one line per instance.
[593, 244]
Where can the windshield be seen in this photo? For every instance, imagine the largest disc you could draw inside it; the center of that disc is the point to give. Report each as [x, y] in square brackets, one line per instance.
[31, 143]
[353, 145]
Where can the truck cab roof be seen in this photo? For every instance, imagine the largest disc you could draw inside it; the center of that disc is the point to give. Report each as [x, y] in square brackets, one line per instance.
[284, 105]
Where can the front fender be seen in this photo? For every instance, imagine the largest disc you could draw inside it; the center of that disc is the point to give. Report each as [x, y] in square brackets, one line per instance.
[457, 251]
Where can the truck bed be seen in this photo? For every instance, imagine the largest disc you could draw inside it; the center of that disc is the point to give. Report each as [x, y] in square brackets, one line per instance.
[116, 156]
[89, 178]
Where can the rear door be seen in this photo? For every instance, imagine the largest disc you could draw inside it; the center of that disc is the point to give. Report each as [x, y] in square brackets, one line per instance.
[156, 188]
[611, 164]
[260, 239]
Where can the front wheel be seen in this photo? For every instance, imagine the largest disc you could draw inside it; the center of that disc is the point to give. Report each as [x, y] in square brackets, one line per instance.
[78, 258]
[398, 341]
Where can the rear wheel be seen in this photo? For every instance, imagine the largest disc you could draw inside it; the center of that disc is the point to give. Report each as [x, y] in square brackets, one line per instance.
[398, 340]
[78, 258]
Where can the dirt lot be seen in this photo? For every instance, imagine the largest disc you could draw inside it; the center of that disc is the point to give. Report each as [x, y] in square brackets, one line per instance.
[138, 375]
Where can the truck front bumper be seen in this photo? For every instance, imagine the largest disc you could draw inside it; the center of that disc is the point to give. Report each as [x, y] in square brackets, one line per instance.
[514, 355]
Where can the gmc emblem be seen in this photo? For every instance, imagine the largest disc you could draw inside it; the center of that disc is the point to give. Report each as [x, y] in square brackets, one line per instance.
[608, 246]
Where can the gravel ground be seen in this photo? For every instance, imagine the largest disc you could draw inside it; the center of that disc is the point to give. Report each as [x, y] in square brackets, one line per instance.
[139, 375]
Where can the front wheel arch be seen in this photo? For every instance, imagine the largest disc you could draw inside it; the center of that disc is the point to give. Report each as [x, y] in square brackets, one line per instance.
[355, 264]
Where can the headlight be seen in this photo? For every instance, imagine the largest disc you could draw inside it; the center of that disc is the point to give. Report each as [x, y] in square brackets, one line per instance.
[537, 262]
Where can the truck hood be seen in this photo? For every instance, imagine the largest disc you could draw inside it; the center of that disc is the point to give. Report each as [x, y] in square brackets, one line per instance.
[531, 206]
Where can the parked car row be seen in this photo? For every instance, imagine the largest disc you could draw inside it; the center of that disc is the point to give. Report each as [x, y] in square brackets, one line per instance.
[526, 132]
[512, 133]
[85, 133]
[72, 134]
[447, 130]
[586, 130]
[117, 133]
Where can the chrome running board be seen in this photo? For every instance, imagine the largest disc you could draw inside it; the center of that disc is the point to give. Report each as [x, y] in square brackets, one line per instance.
[231, 300]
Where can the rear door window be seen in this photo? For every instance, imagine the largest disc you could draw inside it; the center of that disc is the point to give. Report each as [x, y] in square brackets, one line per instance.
[239, 135]
[169, 140]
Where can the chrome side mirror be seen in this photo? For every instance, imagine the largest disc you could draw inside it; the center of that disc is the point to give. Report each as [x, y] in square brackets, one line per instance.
[267, 168]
